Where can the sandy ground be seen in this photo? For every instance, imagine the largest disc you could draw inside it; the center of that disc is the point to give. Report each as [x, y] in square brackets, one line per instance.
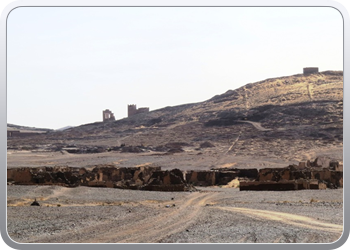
[211, 215]
[188, 160]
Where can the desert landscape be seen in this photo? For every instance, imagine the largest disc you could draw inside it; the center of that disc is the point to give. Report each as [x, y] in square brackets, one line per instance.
[259, 164]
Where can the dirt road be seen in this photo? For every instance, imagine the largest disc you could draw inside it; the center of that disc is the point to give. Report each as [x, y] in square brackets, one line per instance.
[97, 215]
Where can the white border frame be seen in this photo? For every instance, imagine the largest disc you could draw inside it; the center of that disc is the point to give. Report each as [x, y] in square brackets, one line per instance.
[188, 3]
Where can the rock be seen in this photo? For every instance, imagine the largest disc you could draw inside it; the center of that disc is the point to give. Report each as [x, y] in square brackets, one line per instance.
[35, 203]
[207, 145]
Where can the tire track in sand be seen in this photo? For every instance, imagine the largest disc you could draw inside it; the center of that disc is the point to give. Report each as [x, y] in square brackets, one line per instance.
[154, 229]
[286, 218]
[27, 201]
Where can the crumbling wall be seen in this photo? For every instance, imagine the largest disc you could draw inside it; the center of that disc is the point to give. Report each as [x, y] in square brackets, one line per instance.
[132, 110]
[107, 115]
[172, 180]
[20, 176]
[224, 177]
[210, 177]
[201, 178]
[310, 70]
[306, 175]
[44, 175]
[293, 177]
[145, 177]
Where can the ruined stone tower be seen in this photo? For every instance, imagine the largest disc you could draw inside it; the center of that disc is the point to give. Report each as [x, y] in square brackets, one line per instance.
[108, 115]
[310, 70]
[132, 110]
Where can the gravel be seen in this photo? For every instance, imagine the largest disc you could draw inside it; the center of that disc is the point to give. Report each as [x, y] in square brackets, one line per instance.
[86, 214]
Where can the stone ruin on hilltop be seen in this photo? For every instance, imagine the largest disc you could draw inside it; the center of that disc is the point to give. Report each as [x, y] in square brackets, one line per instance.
[310, 70]
[107, 115]
[132, 110]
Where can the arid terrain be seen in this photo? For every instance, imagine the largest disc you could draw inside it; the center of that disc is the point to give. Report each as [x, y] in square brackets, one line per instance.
[272, 123]
[85, 214]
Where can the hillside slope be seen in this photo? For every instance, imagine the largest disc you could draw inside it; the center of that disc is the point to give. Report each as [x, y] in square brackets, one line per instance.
[288, 118]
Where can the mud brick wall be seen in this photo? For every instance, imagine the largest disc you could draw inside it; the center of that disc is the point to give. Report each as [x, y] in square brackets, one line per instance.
[210, 178]
[153, 178]
[43, 175]
[202, 178]
[274, 174]
[310, 70]
[172, 177]
[22, 175]
[108, 115]
[132, 110]
[310, 184]
[224, 177]
[248, 173]
[330, 176]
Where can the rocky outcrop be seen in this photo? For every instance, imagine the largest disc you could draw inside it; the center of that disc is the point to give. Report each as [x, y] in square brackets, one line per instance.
[35, 203]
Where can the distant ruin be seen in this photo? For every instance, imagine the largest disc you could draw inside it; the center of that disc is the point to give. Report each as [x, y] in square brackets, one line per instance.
[12, 133]
[23, 133]
[108, 115]
[132, 110]
[310, 70]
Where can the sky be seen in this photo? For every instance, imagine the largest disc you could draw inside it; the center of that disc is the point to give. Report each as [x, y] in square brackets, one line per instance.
[65, 65]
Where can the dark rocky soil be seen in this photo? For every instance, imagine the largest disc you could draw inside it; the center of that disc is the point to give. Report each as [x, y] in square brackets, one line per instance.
[210, 215]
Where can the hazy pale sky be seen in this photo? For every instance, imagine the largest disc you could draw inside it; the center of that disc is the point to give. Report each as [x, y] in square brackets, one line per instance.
[67, 64]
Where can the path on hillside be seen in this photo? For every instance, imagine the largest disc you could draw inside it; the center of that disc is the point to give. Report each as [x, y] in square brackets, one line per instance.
[309, 92]
[257, 125]
[287, 218]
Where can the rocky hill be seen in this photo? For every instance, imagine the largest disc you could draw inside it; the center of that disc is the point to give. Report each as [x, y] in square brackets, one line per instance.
[288, 118]
[25, 128]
